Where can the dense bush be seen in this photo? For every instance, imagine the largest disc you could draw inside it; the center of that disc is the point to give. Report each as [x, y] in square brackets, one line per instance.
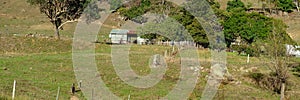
[267, 81]
[251, 50]
[257, 77]
[296, 70]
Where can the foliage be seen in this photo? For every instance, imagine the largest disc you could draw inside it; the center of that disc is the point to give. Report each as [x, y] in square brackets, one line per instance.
[251, 50]
[137, 10]
[183, 16]
[276, 52]
[249, 26]
[168, 28]
[267, 81]
[114, 4]
[236, 22]
[296, 70]
[238, 48]
[235, 4]
[258, 77]
[286, 5]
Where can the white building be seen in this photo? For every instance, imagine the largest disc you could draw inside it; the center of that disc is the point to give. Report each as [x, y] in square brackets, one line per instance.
[122, 36]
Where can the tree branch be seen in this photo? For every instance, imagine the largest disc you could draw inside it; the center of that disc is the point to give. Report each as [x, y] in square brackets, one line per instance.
[66, 23]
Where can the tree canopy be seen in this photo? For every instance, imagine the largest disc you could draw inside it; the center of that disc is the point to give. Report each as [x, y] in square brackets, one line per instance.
[285, 5]
[235, 4]
[167, 29]
[235, 20]
[249, 26]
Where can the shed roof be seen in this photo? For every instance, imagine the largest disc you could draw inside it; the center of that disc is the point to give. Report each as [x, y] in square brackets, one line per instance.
[119, 31]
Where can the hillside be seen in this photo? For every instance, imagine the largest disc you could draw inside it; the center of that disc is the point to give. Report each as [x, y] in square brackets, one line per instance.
[41, 64]
[19, 18]
[293, 20]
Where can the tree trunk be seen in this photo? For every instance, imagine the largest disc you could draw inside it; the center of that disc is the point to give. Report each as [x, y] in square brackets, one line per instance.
[297, 5]
[56, 23]
[282, 91]
[57, 33]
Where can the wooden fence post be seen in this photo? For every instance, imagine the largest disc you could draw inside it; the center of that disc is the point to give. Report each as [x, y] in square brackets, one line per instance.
[57, 95]
[14, 90]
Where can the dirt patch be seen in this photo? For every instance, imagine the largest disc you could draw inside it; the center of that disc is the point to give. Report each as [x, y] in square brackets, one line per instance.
[74, 98]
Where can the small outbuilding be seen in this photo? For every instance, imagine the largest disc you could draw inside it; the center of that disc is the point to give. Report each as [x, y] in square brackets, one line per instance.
[122, 36]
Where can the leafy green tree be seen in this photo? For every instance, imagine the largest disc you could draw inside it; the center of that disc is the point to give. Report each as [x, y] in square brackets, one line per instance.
[136, 10]
[249, 26]
[181, 15]
[235, 4]
[61, 12]
[286, 5]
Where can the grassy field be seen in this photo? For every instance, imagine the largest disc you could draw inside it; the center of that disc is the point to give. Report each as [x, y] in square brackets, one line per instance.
[39, 73]
[41, 65]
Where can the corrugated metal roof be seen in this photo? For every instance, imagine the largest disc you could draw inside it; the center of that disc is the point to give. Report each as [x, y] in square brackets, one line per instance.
[119, 31]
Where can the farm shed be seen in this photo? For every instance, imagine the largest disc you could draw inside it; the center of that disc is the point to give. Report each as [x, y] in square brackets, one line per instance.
[122, 36]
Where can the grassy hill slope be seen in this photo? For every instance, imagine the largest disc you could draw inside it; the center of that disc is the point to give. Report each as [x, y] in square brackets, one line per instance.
[41, 65]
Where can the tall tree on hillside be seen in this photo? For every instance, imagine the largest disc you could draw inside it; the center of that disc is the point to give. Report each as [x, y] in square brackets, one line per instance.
[61, 12]
[249, 26]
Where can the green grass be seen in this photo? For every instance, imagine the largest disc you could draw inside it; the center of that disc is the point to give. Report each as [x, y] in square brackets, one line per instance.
[39, 74]
[41, 65]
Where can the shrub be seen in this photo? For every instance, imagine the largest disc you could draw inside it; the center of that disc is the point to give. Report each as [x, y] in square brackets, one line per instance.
[257, 77]
[238, 48]
[296, 70]
[267, 81]
[251, 50]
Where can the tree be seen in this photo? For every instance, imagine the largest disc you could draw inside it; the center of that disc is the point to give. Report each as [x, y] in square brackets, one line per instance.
[61, 12]
[235, 4]
[135, 10]
[276, 51]
[167, 28]
[114, 4]
[285, 5]
[249, 26]
[166, 8]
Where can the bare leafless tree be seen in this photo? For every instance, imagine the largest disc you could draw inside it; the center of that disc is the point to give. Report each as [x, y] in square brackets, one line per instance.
[276, 52]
